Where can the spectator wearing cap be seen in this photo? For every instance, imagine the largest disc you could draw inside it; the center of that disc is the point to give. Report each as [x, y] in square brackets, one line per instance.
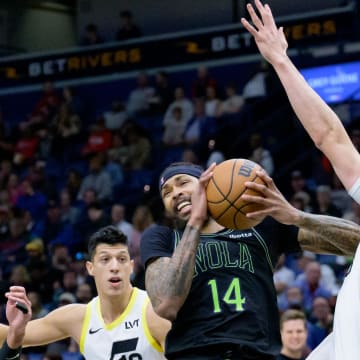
[128, 29]
[66, 298]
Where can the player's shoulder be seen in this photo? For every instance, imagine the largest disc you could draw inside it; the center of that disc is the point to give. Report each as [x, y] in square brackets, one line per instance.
[156, 230]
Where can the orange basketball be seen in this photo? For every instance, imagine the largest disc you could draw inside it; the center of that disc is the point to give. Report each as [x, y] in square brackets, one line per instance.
[225, 189]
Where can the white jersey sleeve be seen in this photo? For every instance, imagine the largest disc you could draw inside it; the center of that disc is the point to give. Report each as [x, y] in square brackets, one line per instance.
[354, 191]
[325, 350]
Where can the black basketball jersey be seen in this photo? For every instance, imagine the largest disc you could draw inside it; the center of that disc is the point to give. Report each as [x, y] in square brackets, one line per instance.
[232, 297]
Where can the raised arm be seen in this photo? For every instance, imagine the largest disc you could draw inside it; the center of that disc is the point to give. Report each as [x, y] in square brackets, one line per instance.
[317, 233]
[168, 279]
[321, 123]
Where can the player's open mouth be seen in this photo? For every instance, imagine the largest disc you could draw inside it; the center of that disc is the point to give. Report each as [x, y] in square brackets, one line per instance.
[115, 280]
[182, 205]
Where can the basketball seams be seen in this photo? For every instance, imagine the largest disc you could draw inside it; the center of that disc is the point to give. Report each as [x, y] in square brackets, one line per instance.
[232, 203]
[224, 193]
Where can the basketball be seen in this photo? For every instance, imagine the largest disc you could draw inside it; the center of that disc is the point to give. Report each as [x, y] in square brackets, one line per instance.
[225, 189]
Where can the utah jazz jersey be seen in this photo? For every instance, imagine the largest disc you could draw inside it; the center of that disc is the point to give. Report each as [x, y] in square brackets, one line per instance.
[232, 299]
[126, 338]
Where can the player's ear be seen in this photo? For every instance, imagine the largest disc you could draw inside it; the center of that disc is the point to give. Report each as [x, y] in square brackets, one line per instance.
[89, 267]
[132, 265]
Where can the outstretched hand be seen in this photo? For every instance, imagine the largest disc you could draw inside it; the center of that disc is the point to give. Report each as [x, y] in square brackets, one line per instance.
[270, 39]
[271, 200]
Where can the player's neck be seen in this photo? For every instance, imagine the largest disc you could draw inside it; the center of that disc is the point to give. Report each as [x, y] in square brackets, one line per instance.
[211, 226]
[113, 306]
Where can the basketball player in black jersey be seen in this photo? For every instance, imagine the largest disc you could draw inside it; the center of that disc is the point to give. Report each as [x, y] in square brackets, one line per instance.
[215, 284]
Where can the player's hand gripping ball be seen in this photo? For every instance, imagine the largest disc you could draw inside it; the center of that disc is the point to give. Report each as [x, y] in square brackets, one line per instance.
[224, 193]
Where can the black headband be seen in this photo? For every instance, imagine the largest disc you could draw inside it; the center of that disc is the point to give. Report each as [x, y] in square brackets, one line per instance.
[188, 169]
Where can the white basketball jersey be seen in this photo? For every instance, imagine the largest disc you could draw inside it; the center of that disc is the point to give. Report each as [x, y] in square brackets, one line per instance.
[343, 343]
[347, 314]
[126, 338]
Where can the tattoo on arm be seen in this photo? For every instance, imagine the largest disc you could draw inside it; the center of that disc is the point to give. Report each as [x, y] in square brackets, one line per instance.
[170, 278]
[328, 234]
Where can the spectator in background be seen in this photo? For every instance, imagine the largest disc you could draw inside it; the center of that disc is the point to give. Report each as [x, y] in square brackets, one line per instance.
[292, 298]
[174, 128]
[293, 329]
[69, 213]
[202, 82]
[310, 285]
[37, 307]
[140, 98]
[196, 128]
[32, 200]
[323, 204]
[73, 183]
[187, 107]
[116, 117]
[99, 139]
[67, 127]
[233, 102]
[97, 179]
[44, 109]
[84, 293]
[283, 276]
[163, 93]
[128, 29]
[91, 36]
[141, 220]
[25, 148]
[212, 102]
[134, 152]
[118, 219]
[96, 218]
[261, 155]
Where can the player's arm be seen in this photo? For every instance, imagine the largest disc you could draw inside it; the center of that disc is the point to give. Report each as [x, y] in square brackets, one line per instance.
[54, 326]
[158, 326]
[317, 233]
[321, 123]
[168, 279]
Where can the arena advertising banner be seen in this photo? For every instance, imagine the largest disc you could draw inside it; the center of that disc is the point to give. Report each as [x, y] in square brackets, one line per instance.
[162, 51]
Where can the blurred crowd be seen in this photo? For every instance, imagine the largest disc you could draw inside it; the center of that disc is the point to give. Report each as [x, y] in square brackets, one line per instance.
[62, 177]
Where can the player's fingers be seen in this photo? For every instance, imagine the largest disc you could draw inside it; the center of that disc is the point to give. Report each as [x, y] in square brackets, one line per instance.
[261, 214]
[249, 27]
[260, 188]
[266, 178]
[267, 16]
[255, 19]
[253, 199]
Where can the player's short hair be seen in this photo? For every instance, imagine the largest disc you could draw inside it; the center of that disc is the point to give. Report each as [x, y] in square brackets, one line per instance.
[179, 168]
[107, 235]
[292, 314]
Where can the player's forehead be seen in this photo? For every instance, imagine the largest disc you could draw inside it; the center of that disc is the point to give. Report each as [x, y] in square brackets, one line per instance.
[176, 179]
[107, 249]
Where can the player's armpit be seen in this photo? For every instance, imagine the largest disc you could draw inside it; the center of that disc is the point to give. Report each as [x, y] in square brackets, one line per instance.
[328, 234]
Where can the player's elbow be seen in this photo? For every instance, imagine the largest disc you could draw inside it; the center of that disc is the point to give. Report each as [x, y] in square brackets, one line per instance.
[167, 310]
